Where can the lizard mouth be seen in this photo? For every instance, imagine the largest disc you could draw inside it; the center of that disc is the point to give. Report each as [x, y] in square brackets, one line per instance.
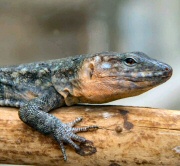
[158, 76]
[152, 75]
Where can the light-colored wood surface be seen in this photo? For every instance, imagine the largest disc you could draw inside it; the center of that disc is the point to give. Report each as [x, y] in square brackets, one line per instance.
[127, 136]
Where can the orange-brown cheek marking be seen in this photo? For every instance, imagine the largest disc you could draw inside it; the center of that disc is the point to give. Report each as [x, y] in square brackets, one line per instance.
[104, 90]
[98, 91]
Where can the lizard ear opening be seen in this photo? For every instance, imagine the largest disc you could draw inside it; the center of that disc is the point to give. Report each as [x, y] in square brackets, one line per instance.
[87, 70]
[91, 67]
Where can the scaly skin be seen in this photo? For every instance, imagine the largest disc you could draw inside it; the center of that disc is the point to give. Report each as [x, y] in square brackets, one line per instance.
[40, 87]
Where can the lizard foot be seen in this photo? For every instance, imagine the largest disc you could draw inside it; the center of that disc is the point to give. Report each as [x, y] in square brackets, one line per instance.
[65, 133]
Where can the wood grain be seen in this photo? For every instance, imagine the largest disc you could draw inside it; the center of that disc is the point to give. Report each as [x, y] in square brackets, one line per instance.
[127, 136]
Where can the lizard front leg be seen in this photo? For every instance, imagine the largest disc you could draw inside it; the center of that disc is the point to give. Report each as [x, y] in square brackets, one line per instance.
[34, 113]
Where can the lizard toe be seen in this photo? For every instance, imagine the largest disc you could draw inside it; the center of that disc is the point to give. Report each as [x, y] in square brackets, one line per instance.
[78, 138]
[83, 129]
[73, 123]
[63, 150]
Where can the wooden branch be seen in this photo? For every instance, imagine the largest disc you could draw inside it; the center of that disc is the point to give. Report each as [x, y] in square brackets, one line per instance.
[128, 136]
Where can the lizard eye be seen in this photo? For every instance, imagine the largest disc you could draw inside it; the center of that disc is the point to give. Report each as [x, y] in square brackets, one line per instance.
[130, 61]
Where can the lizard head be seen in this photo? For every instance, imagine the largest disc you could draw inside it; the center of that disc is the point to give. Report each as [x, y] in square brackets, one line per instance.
[108, 76]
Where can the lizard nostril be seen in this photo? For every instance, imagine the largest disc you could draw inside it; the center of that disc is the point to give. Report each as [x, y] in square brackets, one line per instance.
[168, 70]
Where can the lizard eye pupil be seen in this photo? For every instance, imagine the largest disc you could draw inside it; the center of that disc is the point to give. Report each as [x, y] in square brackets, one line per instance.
[130, 61]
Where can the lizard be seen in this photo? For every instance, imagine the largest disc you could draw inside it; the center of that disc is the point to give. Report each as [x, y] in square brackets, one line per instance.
[37, 88]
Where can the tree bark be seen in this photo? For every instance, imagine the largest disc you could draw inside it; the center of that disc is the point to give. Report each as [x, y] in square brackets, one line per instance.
[127, 136]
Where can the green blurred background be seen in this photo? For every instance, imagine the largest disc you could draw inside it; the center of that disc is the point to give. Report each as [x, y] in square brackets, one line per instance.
[38, 30]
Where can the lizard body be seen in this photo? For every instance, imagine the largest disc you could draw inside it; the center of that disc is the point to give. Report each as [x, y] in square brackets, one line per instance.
[40, 87]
